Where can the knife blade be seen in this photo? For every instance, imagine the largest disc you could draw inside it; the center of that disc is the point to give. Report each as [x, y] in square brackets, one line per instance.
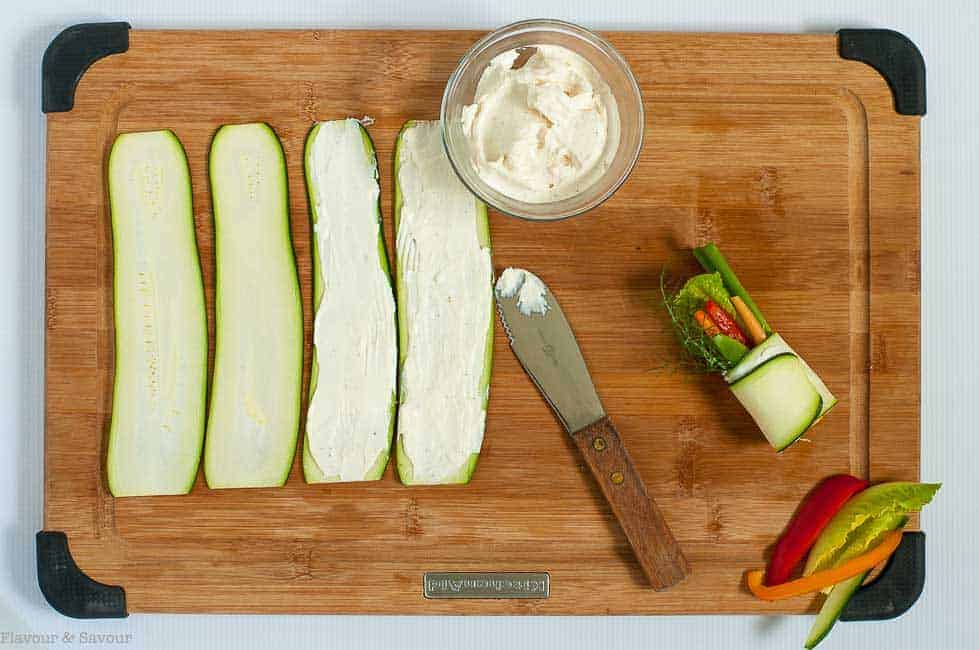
[546, 347]
[543, 342]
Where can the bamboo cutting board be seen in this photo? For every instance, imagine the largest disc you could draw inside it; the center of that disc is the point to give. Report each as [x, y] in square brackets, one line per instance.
[793, 159]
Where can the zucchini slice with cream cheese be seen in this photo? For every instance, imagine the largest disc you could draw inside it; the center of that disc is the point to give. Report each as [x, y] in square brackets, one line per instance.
[445, 313]
[350, 419]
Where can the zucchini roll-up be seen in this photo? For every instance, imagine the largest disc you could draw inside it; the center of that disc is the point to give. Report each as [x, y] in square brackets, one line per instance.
[722, 328]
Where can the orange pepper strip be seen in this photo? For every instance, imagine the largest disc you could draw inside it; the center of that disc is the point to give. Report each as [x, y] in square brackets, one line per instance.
[706, 323]
[827, 578]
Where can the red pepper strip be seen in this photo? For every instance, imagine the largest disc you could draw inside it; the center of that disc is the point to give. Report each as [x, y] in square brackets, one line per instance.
[813, 514]
[725, 323]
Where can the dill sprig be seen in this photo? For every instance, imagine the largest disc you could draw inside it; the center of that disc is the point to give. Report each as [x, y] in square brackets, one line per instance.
[696, 345]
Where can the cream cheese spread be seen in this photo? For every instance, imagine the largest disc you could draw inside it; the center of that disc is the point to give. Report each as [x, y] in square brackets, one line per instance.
[542, 131]
[531, 293]
[350, 412]
[445, 296]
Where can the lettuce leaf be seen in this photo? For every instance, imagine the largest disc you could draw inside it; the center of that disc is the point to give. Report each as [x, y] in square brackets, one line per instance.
[699, 289]
[703, 350]
[869, 535]
[861, 523]
[865, 538]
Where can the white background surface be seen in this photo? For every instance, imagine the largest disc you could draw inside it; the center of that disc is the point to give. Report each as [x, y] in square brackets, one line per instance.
[945, 617]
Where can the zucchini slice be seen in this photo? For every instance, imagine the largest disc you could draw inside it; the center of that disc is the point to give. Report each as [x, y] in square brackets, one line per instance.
[350, 419]
[780, 398]
[445, 313]
[258, 358]
[160, 324]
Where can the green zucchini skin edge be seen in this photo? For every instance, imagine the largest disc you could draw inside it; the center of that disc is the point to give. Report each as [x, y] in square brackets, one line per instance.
[402, 462]
[399, 284]
[311, 470]
[762, 365]
[287, 468]
[116, 264]
[404, 465]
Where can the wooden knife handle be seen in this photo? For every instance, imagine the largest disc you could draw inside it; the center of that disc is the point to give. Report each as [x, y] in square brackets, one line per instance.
[655, 547]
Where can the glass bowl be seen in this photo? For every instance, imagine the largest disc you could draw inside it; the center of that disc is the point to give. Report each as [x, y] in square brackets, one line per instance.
[461, 88]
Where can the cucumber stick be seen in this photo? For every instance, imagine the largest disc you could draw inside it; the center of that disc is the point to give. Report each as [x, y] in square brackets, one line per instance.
[832, 607]
[253, 420]
[445, 313]
[350, 419]
[160, 324]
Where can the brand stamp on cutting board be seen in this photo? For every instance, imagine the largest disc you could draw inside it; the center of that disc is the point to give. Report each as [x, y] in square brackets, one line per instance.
[487, 585]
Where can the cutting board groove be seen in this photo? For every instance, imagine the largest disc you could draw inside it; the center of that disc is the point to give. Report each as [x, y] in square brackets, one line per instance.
[791, 158]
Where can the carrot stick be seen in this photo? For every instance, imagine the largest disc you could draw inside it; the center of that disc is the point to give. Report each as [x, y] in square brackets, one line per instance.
[816, 581]
[709, 326]
[751, 323]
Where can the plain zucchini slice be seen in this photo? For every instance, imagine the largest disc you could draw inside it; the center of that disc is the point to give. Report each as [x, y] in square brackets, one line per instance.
[350, 419]
[780, 398]
[160, 324]
[254, 414]
[445, 313]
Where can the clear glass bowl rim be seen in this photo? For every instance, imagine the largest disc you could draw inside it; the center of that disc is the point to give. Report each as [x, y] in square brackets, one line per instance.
[545, 24]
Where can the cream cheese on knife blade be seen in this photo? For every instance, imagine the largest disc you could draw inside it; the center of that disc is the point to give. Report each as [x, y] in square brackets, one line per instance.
[350, 413]
[542, 131]
[530, 291]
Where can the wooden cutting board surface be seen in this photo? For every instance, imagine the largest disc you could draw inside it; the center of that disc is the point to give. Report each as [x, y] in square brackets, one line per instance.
[789, 157]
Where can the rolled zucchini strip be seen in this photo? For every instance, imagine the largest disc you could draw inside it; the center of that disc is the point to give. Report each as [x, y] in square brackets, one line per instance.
[780, 391]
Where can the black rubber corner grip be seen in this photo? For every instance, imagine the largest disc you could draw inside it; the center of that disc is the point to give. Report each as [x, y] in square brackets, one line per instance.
[67, 589]
[895, 57]
[70, 54]
[896, 589]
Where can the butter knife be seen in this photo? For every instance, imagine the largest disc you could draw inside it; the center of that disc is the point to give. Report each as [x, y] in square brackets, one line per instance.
[544, 344]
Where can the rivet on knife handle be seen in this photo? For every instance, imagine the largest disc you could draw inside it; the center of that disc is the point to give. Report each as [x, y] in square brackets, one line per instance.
[656, 549]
